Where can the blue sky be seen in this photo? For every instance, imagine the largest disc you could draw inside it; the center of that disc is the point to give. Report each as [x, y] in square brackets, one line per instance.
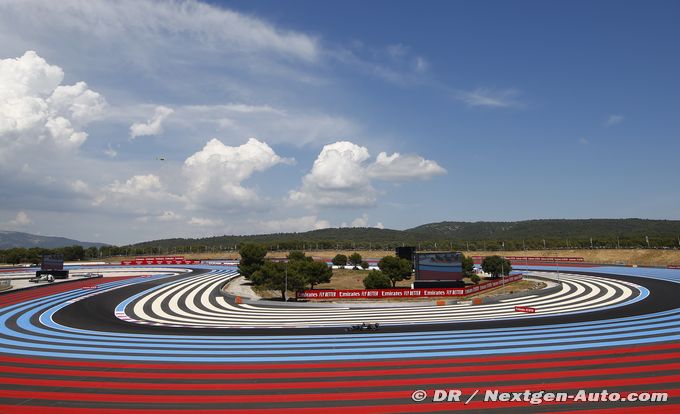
[129, 121]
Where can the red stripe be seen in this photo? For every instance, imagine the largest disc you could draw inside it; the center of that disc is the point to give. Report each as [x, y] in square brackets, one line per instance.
[660, 408]
[221, 386]
[331, 365]
[456, 379]
[410, 407]
[353, 373]
[26, 295]
[263, 398]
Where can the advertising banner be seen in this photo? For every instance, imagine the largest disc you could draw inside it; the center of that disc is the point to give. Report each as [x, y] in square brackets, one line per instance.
[403, 293]
[52, 262]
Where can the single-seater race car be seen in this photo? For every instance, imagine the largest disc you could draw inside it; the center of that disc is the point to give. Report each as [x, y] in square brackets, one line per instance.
[364, 327]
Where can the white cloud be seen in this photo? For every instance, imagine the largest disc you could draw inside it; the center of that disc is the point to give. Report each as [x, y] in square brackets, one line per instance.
[20, 220]
[137, 185]
[293, 224]
[360, 221]
[80, 186]
[36, 114]
[169, 216]
[142, 195]
[77, 102]
[153, 126]
[613, 120]
[363, 222]
[276, 125]
[205, 222]
[337, 178]
[133, 24]
[398, 167]
[110, 151]
[216, 172]
[341, 178]
[506, 98]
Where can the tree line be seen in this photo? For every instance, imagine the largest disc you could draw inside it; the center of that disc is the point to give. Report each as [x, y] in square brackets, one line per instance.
[300, 271]
[34, 254]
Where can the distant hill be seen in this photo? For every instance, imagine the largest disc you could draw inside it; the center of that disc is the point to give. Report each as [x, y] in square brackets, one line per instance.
[10, 239]
[579, 233]
[550, 229]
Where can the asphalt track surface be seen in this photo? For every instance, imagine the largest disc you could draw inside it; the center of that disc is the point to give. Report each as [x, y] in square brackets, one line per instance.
[114, 345]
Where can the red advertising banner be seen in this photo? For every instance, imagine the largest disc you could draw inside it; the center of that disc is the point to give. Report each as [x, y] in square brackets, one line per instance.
[402, 293]
[549, 259]
[158, 260]
[674, 266]
[525, 309]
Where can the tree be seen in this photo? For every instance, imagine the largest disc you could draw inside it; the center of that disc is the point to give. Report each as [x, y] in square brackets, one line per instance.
[468, 265]
[364, 265]
[252, 258]
[275, 276]
[496, 265]
[355, 259]
[92, 252]
[297, 255]
[340, 260]
[395, 269]
[377, 280]
[72, 252]
[312, 272]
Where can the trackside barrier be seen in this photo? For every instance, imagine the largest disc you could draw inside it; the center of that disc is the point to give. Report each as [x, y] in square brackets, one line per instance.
[159, 260]
[5, 284]
[542, 259]
[402, 293]
[674, 266]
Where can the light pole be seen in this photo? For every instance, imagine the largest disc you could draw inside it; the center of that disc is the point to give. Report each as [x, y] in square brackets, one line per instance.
[285, 288]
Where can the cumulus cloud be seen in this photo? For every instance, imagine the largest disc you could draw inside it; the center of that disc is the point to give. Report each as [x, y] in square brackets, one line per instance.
[340, 176]
[337, 178]
[142, 194]
[137, 185]
[360, 221]
[398, 167]
[153, 126]
[39, 115]
[216, 172]
[490, 98]
[20, 220]
[613, 120]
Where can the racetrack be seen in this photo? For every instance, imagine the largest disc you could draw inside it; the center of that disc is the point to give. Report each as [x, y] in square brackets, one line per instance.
[173, 342]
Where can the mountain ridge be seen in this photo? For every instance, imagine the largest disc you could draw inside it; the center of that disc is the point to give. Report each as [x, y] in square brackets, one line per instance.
[568, 232]
[11, 239]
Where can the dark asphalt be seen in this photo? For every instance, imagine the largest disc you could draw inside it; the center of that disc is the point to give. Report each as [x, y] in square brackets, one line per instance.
[96, 313]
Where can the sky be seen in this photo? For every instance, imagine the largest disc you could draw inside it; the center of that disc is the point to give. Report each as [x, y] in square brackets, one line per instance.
[137, 120]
